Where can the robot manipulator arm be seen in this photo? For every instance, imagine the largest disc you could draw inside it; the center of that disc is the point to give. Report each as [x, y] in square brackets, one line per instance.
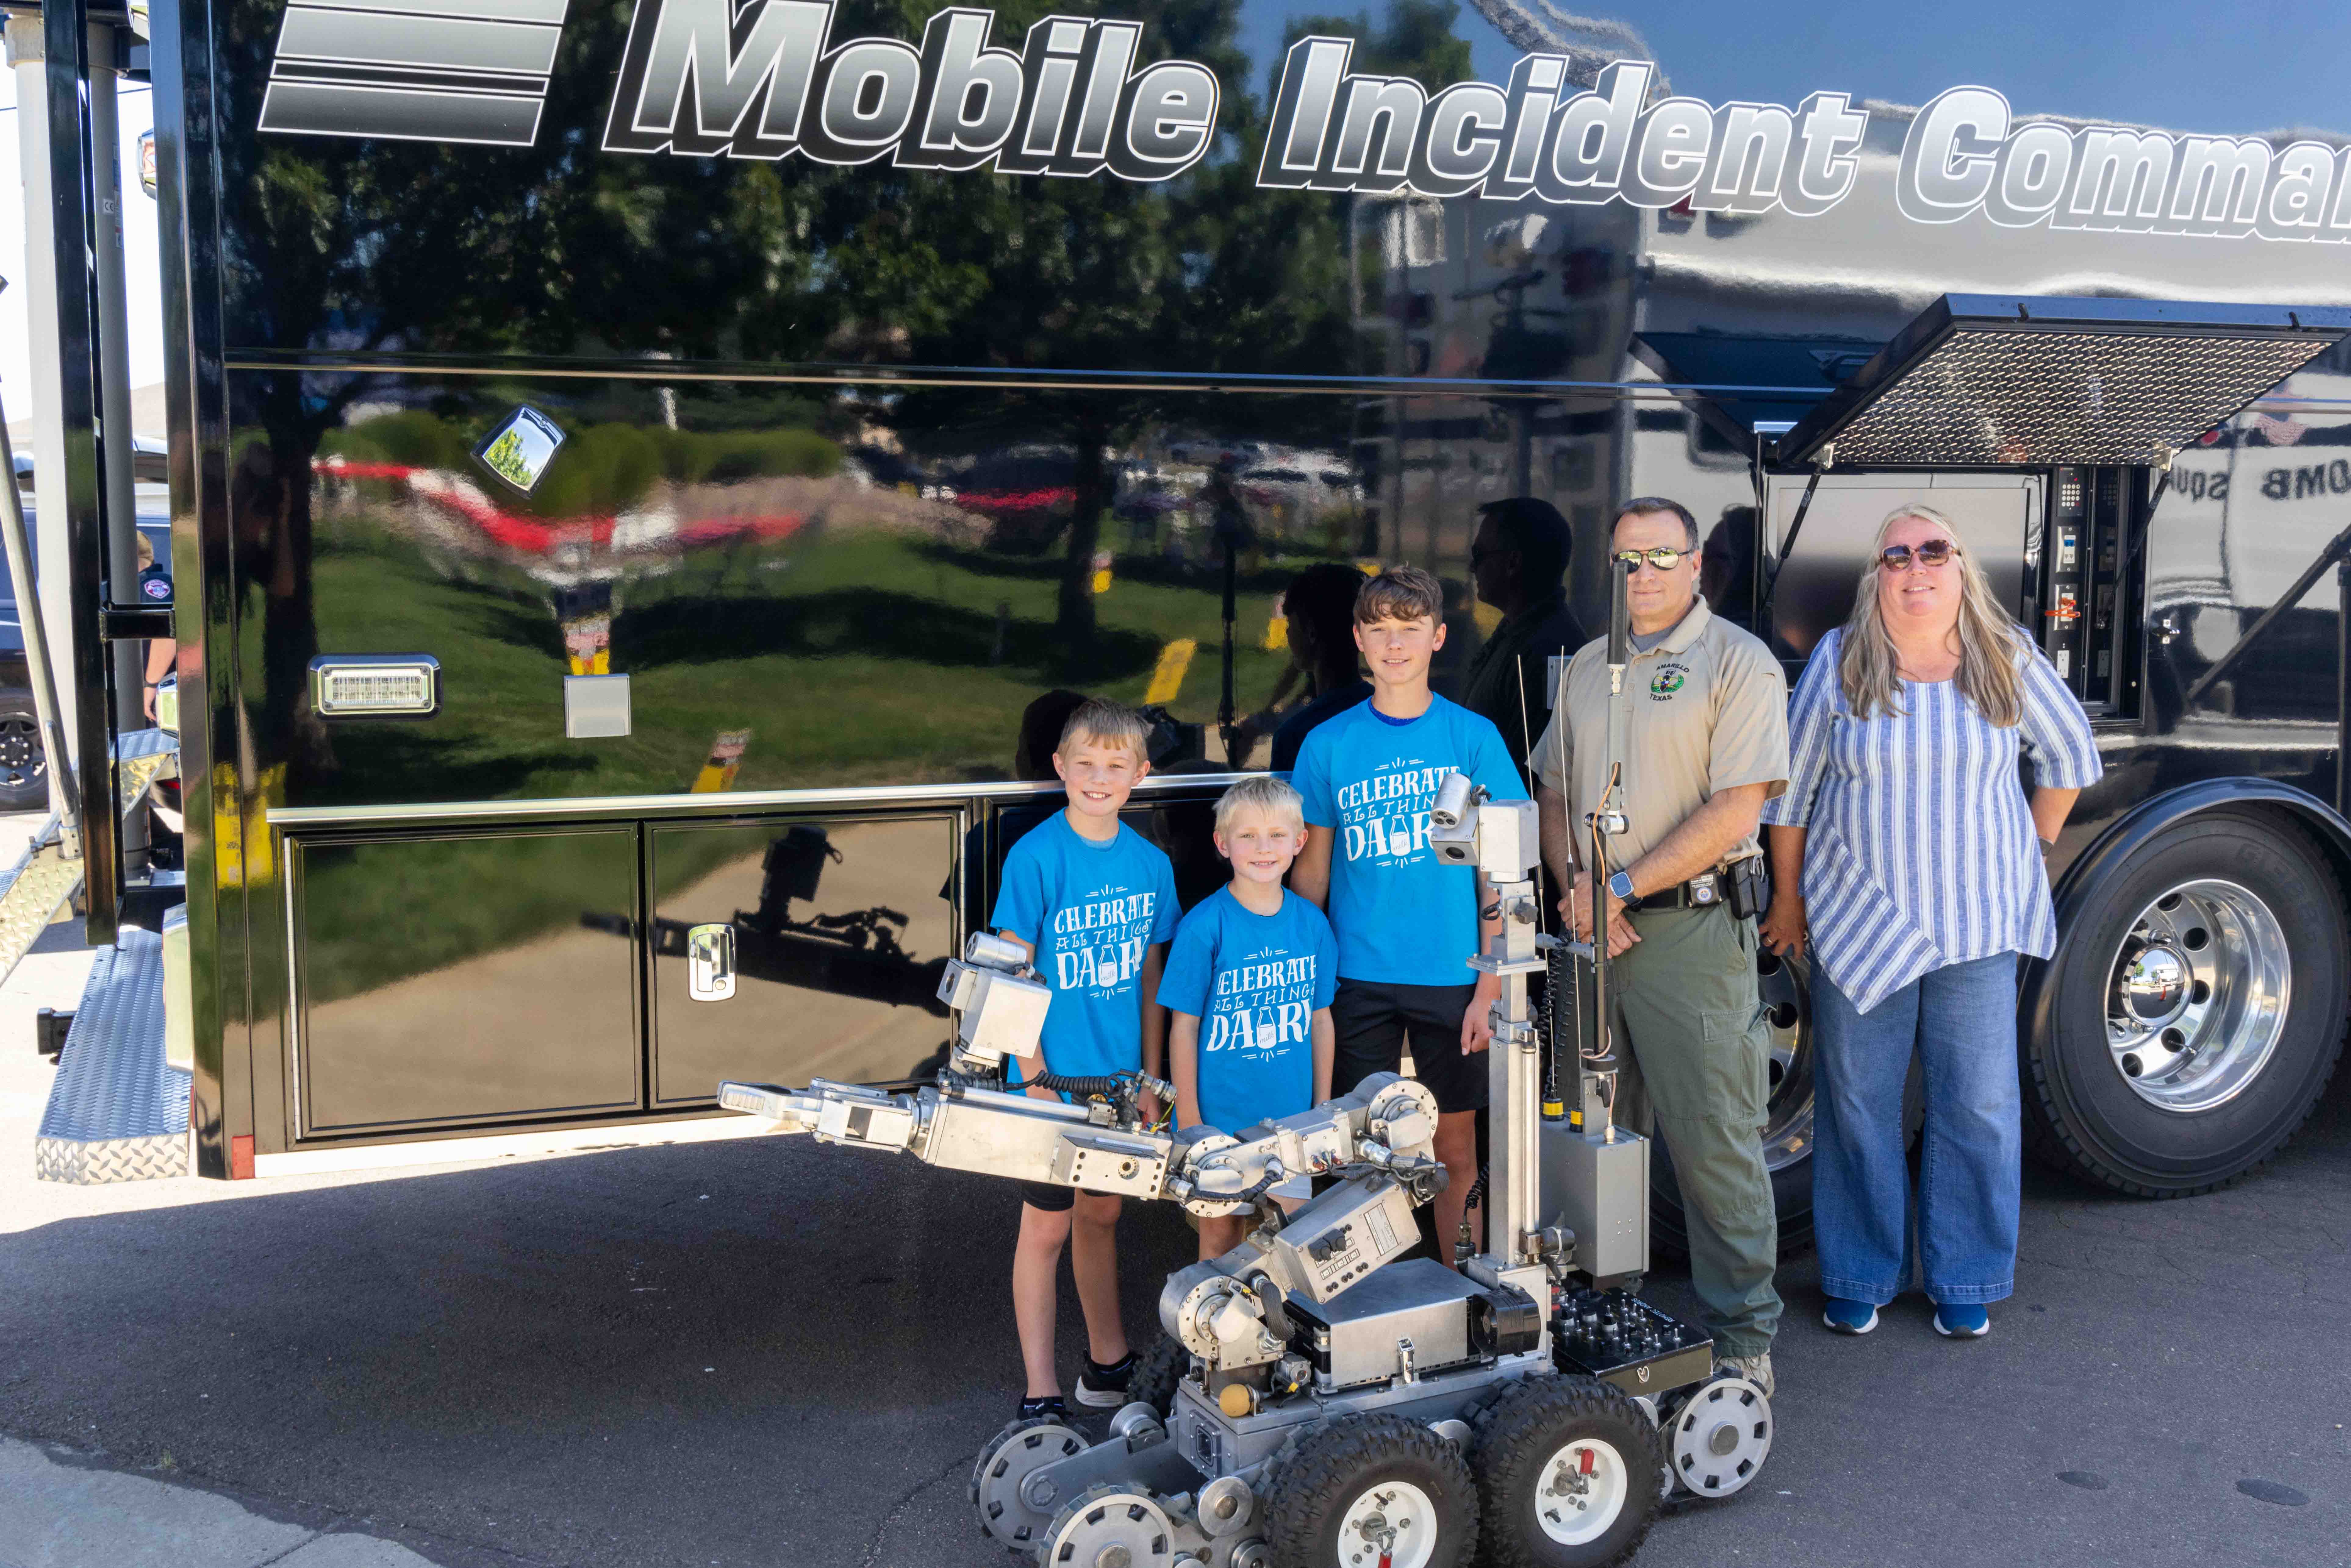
[1386, 1122]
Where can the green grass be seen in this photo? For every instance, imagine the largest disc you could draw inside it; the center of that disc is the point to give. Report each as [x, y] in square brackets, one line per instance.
[855, 658]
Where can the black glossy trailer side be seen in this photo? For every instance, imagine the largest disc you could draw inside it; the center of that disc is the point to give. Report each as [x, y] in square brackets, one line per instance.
[864, 462]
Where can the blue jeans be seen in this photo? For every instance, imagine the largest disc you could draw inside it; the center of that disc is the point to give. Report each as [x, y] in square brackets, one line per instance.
[1961, 1021]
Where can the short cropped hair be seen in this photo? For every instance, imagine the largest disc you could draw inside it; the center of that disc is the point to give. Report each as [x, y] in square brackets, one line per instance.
[1261, 792]
[1102, 721]
[1533, 527]
[1641, 505]
[1399, 593]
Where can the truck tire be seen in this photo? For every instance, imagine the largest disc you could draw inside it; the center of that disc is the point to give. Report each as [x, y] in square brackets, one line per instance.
[24, 765]
[1541, 1440]
[1786, 987]
[1326, 1490]
[2194, 1009]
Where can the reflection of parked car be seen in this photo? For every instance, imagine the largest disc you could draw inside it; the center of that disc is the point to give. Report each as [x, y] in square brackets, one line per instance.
[1288, 495]
[1027, 493]
[24, 765]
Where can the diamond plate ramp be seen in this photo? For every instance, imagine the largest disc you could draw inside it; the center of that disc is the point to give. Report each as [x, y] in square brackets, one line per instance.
[32, 892]
[117, 1112]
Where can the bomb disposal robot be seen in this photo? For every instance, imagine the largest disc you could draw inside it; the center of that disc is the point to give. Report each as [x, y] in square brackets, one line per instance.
[1324, 1401]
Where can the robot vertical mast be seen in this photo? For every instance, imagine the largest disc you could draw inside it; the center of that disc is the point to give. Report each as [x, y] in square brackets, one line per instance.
[1499, 838]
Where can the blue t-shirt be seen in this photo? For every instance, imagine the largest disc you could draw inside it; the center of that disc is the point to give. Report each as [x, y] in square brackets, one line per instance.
[1402, 917]
[1090, 910]
[1254, 982]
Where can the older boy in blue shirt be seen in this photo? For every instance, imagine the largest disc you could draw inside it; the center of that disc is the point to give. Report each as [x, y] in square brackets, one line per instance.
[1094, 904]
[1249, 983]
[1408, 925]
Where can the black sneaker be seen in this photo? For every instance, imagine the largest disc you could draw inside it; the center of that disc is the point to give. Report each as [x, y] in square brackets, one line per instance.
[1048, 1409]
[1104, 1387]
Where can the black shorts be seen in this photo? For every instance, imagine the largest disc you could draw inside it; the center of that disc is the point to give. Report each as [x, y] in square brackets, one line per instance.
[1052, 1199]
[1372, 1020]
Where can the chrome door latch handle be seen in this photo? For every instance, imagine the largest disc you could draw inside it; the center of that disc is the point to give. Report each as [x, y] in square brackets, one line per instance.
[709, 963]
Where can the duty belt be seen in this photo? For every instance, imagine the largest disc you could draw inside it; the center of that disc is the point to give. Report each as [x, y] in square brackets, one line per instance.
[1703, 891]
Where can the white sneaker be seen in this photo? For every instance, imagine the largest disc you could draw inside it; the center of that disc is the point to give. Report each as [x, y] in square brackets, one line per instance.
[1756, 1369]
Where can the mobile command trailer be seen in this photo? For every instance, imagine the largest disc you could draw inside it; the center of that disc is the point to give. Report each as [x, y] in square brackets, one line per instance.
[646, 476]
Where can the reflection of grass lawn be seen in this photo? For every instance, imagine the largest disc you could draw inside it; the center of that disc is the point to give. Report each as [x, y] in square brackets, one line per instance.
[862, 659]
[855, 661]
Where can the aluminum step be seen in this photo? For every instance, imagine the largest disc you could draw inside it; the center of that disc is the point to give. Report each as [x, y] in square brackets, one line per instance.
[39, 885]
[32, 892]
[117, 1111]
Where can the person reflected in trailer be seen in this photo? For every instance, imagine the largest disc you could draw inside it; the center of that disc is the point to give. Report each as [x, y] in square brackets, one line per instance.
[154, 589]
[1908, 856]
[1726, 571]
[1705, 744]
[1518, 564]
[1320, 606]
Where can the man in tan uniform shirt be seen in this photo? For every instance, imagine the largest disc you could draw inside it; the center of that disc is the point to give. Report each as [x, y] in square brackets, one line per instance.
[1706, 745]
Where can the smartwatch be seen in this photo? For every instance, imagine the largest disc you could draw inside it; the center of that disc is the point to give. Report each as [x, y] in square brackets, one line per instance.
[1620, 888]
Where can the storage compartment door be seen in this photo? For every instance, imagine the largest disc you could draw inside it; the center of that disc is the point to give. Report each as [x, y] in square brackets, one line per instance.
[463, 979]
[835, 932]
[1994, 515]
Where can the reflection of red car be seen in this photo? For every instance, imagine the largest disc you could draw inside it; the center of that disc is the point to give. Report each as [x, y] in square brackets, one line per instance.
[536, 535]
[1028, 497]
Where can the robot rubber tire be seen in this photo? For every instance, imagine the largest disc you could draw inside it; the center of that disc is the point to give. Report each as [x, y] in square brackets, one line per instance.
[1159, 1372]
[1364, 1490]
[1567, 1472]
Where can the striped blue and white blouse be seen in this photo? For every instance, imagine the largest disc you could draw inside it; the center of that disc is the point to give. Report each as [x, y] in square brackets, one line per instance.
[1920, 852]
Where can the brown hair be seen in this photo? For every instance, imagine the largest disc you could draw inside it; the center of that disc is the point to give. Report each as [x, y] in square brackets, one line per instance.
[1399, 593]
[1106, 723]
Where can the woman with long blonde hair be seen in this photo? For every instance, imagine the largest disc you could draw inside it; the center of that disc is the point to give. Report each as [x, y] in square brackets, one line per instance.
[1910, 856]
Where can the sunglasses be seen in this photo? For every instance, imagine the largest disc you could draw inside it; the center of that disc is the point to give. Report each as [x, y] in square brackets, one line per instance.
[1661, 558]
[1934, 552]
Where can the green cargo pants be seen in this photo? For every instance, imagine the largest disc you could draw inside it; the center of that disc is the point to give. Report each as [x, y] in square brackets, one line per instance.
[1699, 1069]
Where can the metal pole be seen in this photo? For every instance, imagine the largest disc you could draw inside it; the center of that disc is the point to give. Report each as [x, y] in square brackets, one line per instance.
[28, 56]
[128, 657]
[114, 361]
[37, 655]
[2341, 685]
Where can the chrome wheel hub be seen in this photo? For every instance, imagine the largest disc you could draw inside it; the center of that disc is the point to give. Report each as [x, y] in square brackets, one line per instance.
[2196, 994]
[1782, 988]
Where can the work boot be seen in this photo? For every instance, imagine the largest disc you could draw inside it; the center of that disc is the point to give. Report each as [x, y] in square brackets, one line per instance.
[1756, 1369]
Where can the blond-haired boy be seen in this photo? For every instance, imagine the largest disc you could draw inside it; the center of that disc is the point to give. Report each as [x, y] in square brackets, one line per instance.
[1095, 903]
[1249, 983]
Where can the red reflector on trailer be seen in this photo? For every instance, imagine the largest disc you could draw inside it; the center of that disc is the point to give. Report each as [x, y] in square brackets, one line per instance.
[240, 1158]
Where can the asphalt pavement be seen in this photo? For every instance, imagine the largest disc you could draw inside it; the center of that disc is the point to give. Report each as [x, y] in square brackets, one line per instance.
[769, 1352]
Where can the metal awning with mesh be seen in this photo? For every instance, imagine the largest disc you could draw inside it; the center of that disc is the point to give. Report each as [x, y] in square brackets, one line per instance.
[1992, 380]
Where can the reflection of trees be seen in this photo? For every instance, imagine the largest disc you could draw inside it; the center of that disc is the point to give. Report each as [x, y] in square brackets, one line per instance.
[559, 248]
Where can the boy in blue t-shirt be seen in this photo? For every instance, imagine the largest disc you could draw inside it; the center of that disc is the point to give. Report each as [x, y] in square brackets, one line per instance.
[1407, 925]
[1094, 904]
[1249, 983]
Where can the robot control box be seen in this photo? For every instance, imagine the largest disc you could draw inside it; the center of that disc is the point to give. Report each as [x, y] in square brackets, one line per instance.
[1598, 1185]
